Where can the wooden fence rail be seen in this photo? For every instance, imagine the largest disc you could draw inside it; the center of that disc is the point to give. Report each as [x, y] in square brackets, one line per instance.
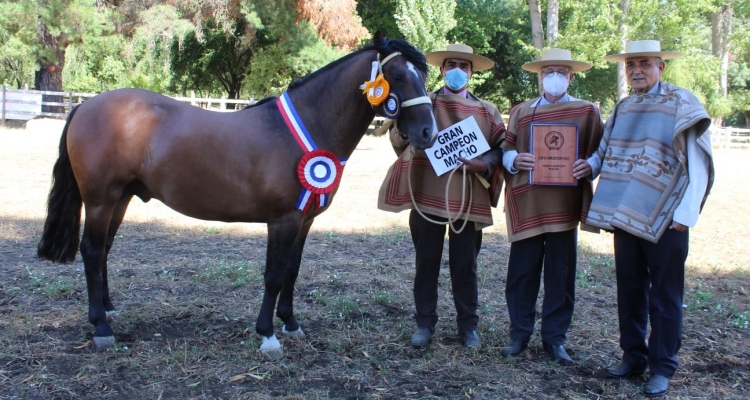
[19, 104]
[23, 104]
[727, 136]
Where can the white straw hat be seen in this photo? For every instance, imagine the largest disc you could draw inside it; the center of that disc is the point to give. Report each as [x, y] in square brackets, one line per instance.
[643, 48]
[556, 57]
[462, 51]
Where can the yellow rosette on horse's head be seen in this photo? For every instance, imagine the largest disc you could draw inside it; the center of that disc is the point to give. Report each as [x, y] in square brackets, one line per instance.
[376, 90]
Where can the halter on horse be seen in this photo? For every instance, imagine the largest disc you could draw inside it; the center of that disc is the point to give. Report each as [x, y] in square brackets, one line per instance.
[278, 163]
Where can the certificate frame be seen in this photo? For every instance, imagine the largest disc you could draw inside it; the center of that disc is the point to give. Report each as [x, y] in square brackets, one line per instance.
[555, 147]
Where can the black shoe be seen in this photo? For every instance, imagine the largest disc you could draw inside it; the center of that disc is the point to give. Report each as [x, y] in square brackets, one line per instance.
[514, 347]
[422, 336]
[624, 370]
[470, 339]
[657, 385]
[558, 354]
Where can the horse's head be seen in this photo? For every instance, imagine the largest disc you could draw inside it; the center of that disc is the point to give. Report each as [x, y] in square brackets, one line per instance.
[405, 69]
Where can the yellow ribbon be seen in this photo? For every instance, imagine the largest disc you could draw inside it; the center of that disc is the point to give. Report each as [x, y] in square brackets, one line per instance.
[380, 91]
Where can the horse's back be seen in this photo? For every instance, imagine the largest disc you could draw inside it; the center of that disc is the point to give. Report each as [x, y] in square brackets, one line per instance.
[196, 161]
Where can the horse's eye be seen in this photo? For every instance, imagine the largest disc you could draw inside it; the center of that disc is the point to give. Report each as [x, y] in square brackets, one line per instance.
[397, 77]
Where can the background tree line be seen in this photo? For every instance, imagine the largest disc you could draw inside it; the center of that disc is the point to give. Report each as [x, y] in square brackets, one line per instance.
[255, 48]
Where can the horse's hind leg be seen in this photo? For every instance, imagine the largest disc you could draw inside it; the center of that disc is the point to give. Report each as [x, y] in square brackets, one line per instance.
[114, 225]
[94, 254]
[285, 309]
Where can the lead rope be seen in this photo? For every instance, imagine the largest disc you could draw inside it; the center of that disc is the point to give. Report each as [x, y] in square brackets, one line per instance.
[450, 220]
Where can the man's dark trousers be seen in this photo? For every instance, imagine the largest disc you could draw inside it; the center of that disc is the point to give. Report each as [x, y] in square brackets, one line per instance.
[650, 286]
[556, 252]
[463, 249]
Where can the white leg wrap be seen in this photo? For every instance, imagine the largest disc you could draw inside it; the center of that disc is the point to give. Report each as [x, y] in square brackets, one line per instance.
[271, 347]
[295, 334]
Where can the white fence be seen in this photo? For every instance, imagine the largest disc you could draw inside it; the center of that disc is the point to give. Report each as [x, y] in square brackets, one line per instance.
[18, 104]
[21, 104]
[727, 136]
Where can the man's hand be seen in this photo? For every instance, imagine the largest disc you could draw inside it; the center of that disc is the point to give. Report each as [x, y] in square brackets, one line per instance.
[474, 166]
[524, 161]
[581, 169]
[678, 227]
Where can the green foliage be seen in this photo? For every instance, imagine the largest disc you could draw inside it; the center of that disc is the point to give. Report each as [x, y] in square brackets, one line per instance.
[425, 24]
[147, 52]
[274, 67]
[17, 61]
[506, 28]
[378, 15]
[96, 67]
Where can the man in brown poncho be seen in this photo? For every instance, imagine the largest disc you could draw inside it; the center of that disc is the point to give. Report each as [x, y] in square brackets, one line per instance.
[430, 209]
[543, 218]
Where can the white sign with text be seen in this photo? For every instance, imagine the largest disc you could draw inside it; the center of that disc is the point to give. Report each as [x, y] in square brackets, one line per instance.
[462, 139]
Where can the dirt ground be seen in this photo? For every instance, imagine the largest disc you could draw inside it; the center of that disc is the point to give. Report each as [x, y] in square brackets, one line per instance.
[188, 293]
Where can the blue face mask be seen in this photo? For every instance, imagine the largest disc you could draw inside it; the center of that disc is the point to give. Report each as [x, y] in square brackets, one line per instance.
[456, 79]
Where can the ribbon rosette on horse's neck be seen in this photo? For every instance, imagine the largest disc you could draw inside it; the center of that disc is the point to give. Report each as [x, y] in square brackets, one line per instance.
[319, 170]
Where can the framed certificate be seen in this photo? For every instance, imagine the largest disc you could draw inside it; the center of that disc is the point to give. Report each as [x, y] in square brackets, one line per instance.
[555, 146]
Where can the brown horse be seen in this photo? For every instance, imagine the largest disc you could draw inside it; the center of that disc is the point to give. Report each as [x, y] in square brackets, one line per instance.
[243, 166]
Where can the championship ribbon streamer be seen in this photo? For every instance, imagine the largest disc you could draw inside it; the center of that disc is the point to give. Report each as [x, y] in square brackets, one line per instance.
[319, 170]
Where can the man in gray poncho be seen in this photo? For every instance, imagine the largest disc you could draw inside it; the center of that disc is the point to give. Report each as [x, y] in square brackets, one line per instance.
[656, 172]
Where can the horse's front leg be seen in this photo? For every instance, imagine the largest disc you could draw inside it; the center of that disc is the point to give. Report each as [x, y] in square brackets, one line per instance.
[285, 309]
[281, 236]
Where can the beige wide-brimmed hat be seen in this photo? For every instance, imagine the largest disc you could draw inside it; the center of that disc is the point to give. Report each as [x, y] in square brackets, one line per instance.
[556, 57]
[643, 48]
[462, 51]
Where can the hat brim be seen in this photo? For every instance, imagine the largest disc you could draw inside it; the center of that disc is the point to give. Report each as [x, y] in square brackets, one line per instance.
[664, 55]
[479, 63]
[536, 66]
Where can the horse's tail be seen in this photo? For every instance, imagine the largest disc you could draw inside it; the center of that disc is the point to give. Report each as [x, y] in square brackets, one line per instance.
[60, 238]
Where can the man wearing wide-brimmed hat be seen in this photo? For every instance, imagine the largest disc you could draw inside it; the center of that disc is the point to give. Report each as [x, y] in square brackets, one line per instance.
[656, 172]
[412, 170]
[542, 219]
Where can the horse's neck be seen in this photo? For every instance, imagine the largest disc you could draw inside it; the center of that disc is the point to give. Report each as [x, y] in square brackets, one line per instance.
[333, 108]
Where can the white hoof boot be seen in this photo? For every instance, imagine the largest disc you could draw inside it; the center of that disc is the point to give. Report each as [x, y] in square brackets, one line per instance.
[271, 347]
[298, 334]
[104, 342]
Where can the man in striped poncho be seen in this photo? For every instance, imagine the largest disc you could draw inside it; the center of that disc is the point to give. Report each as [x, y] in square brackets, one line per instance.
[413, 172]
[656, 172]
[542, 220]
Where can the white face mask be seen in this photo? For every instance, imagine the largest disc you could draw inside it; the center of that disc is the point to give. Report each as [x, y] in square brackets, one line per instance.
[555, 84]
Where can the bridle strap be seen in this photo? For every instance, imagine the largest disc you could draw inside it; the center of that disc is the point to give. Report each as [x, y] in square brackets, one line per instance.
[416, 100]
[388, 58]
[410, 102]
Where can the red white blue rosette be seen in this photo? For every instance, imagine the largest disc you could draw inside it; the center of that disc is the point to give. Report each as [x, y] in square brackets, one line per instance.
[319, 171]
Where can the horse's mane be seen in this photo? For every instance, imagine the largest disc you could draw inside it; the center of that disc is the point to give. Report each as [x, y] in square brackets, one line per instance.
[384, 46]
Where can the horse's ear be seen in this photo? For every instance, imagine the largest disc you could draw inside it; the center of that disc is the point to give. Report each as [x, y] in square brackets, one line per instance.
[377, 38]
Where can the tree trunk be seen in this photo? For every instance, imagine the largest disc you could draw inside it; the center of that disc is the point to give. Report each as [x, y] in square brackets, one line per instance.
[622, 82]
[721, 28]
[537, 33]
[49, 75]
[553, 15]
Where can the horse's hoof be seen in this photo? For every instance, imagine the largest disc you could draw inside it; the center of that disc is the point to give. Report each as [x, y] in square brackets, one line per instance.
[111, 315]
[104, 342]
[271, 347]
[295, 334]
